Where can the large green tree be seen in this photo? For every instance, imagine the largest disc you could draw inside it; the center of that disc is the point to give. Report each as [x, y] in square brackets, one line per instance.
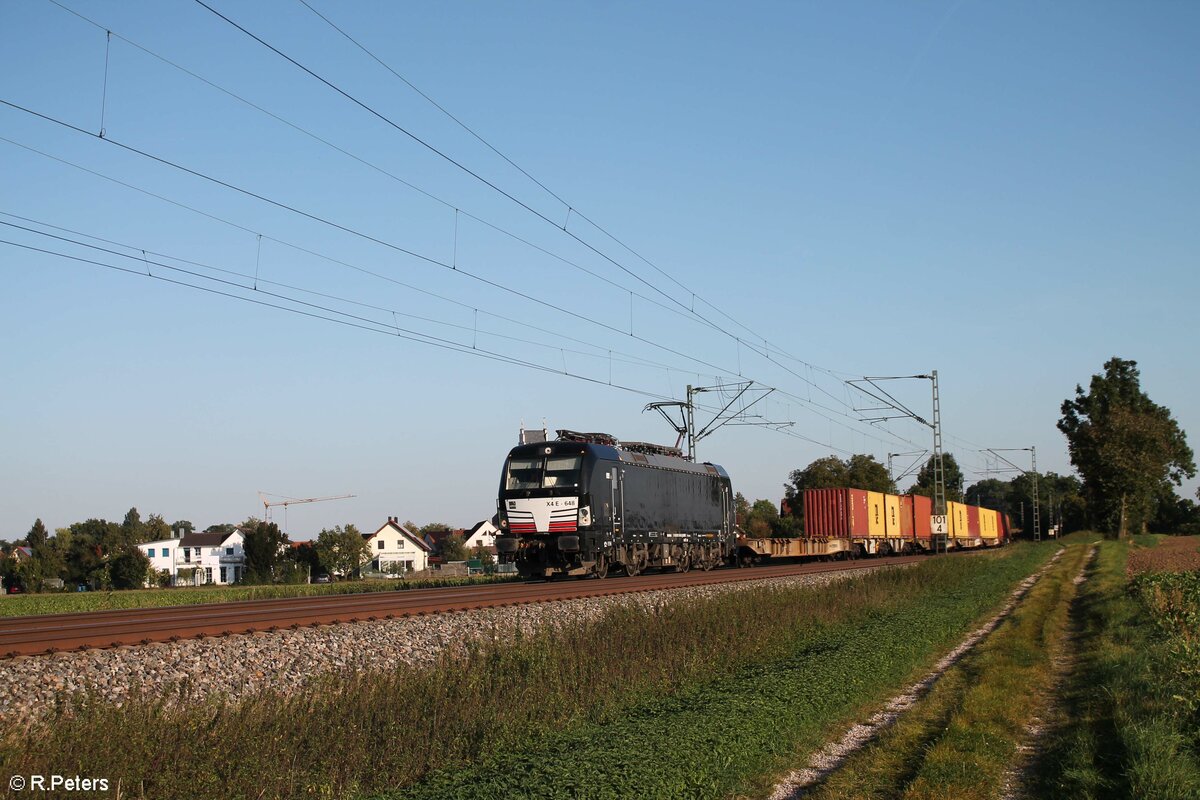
[264, 546]
[453, 548]
[1126, 447]
[156, 528]
[342, 551]
[860, 471]
[952, 474]
[37, 535]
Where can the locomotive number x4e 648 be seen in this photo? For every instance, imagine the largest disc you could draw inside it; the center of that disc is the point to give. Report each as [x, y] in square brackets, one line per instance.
[586, 503]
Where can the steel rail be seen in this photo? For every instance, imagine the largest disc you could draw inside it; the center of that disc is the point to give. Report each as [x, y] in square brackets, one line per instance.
[50, 633]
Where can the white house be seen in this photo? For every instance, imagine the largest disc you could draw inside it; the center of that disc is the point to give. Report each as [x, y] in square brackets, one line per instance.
[393, 544]
[484, 533]
[162, 555]
[216, 558]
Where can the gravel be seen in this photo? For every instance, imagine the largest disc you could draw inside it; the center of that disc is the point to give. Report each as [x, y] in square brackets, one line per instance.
[287, 660]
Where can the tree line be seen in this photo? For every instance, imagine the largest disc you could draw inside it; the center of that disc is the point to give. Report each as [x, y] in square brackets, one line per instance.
[103, 555]
[1129, 452]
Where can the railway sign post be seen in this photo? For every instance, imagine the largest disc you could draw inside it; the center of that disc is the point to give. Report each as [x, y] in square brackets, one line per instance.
[938, 525]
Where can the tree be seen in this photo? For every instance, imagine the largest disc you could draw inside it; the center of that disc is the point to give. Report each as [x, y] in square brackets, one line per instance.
[156, 528]
[181, 528]
[1126, 448]
[133, 531]
[342, 551]
[486, 559]
[453, 549]
[433, 527]
[228, 527]
[129, 569]
[741, 510]
[264, 545]
[763, 519]
[36, 538]
[951, 474]
[860, 471]
[864, 472]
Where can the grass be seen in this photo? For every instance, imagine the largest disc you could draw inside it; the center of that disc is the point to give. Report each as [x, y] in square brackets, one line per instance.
[73, 602]
[1134, 730]
[695, 699]
[961, 738]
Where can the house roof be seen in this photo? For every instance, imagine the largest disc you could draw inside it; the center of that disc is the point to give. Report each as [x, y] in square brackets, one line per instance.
[395, 525]
[206, 539]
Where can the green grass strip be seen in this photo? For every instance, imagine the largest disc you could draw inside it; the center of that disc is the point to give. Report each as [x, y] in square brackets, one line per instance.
[1133, 729]
[74, 602]
[733, 734]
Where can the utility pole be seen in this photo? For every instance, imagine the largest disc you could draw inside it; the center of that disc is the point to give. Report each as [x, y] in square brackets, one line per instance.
[1033, 473]
[686, 429]
[1037, 511]
[939, 473]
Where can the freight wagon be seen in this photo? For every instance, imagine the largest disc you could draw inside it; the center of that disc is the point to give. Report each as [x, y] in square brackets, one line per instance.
[856, 523]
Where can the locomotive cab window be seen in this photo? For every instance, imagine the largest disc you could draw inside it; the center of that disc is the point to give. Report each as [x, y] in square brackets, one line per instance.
[524, 473]
[551, 472]
[562, 471]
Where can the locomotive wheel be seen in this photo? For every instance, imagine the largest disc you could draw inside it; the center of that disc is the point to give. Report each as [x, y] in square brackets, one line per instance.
[633, 567]
[600, 568]
[708, 561]
[684, 563]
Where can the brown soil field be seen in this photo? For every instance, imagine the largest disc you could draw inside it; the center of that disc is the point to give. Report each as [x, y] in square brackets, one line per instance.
[1173, 554]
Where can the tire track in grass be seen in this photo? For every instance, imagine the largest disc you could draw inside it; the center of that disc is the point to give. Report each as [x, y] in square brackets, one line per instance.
[830, 758]
[1017, 784]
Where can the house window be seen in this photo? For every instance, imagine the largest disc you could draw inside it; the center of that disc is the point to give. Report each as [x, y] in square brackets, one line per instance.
[228, 551]
[208, 574]
[381, 544]
[223, 574]
[408, 566]
[150, 552]
[165, 553]
[187, 555]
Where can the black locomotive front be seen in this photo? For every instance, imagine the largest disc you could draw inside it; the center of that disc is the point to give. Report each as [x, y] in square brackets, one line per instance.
[585, 504]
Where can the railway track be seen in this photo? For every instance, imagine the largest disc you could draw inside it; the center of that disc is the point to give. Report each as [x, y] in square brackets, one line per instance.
[51, 633]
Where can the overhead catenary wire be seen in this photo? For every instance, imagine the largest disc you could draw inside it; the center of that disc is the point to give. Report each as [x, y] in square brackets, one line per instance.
[571, 209]
[767, 348]
[422, 258]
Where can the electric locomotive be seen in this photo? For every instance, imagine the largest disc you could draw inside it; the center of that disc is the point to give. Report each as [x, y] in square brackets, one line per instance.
[586, 504]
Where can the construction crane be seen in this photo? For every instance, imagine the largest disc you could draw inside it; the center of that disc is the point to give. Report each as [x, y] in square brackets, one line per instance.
[292, 501]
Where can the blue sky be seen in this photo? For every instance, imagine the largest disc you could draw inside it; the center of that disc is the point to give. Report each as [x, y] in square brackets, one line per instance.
[1007, 193]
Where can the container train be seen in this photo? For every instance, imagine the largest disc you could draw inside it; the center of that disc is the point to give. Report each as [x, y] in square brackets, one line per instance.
[587, 504]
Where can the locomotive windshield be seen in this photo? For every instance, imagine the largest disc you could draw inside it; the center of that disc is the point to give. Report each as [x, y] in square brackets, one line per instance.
[551, 472]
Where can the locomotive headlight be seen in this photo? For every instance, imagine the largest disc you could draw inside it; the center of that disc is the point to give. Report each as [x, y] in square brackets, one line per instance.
[585, 516]
[504, 522]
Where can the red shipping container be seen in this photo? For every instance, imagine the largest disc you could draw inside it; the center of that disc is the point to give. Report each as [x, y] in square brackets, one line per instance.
[906, 516]
[922, 512]
[835, 513]
[973, 530]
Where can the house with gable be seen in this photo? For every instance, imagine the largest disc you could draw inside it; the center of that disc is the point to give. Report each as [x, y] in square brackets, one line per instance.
[481, 533]
[215, 557]
[395, 545]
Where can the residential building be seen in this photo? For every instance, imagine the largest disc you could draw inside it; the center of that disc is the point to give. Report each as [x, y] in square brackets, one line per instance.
[482, 533]
[162, 554]
[394, 545]
[198, 558]
[216, 557]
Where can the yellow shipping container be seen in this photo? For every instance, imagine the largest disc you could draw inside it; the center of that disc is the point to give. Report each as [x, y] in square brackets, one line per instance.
[959, 527]
[875, 515]
[891, 505]
[989, 524]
